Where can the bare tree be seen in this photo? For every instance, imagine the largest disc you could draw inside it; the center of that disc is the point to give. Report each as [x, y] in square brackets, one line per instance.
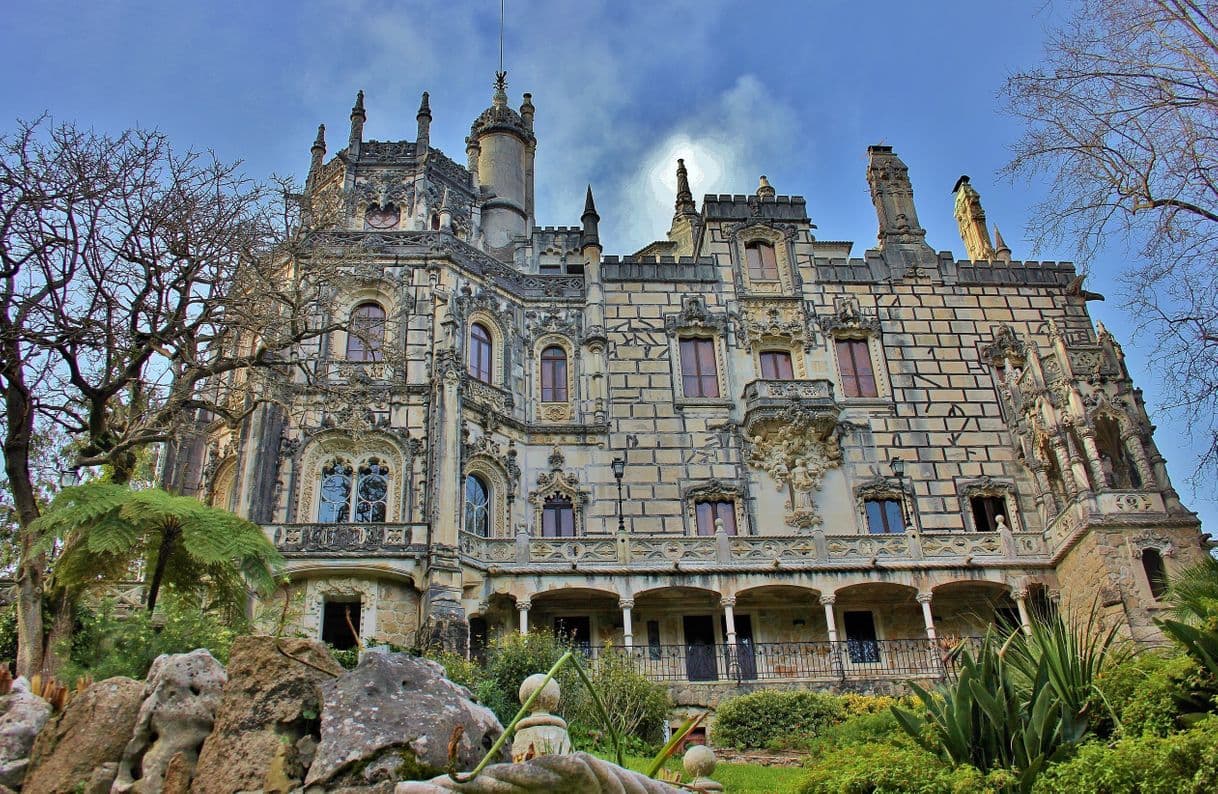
[141, 290]
[1124, 117]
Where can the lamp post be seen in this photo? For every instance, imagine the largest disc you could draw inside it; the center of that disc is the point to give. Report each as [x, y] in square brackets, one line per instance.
[898, 471]
[69, 477]
[619, 470]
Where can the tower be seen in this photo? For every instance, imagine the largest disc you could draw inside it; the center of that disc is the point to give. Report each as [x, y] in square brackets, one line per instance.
[501, 147]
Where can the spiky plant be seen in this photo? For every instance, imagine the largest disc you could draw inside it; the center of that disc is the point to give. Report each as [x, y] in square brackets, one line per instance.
[1193, 600]
[107, 530]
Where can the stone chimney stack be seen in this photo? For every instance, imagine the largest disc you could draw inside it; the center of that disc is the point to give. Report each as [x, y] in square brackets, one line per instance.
[970, 217]
[358, 117]
[892, 194]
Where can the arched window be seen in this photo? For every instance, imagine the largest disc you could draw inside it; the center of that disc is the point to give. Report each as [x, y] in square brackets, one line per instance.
[554, 375]
[477, 506]
[335, 502]
[558, 518]
[1156, 572]
[346, 492]
[480, 350]
[366, 333]
[371, 492]
[435, 221]
[762, 264]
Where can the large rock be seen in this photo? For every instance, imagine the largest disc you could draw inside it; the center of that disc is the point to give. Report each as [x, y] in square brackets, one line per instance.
[271, 703]
[578, 773]
[22, 716]
[392, 718]
[181, 696]
[89, 735]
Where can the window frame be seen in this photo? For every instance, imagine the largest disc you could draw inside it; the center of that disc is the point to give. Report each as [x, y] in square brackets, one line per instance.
[365, 340]
[885, 503]
[854, 346]
[776, 356]
[694, 366]
[1156, 585]
[986, 501]
[557, 389]
[353, 508]
[486, 508]
[481, 352]
[755, 260]
[707, 511]
[553, 510]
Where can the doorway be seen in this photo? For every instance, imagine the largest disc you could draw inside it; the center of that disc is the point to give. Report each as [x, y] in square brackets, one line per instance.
[340, 624]
[700, 663]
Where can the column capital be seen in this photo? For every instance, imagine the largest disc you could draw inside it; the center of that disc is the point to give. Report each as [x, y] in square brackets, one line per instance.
[925, 598]
[727, 601]
[1019, 593]
[828, 599]
[626, 603]
[524, 604]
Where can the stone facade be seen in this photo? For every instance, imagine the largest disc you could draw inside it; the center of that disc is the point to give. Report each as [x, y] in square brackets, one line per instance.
[830, 466]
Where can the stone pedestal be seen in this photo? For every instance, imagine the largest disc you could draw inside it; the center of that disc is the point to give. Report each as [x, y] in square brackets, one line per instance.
[540, 733]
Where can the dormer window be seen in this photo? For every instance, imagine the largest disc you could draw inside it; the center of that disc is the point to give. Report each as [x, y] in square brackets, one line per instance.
[761, 260]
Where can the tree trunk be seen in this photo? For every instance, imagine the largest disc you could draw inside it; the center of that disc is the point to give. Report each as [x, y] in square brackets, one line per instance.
[168, 539]
[59, 639]
[30, 567]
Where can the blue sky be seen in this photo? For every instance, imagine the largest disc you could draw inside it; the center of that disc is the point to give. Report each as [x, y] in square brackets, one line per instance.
[795, 90]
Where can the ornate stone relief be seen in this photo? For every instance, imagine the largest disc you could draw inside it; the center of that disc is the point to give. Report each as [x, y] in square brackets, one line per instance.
[1007, 346]
[988, 486]
[849, 316]
[715, 491]
[557, 483]
[775, 319]
[796, 447]
[694, 316]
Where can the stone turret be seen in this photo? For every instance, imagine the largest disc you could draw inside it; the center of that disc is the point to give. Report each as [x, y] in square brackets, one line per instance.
[317, 153]
[423, 139]
[764, 189]
[892, 194]
[1001, 252]
[501, 146]
[970, 217]
[358, 117]
[685, 215]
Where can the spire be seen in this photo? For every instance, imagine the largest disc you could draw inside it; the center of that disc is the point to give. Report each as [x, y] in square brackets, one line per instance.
[446, 215]
[764, 189]
[422, 141]
[358, 117]
[591, 221]
[318, 150]
[1001, 251]
[685, 198]
[970, 218]
[527, 110]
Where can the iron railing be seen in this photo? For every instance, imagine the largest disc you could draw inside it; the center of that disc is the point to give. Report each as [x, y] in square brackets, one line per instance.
[788, 661]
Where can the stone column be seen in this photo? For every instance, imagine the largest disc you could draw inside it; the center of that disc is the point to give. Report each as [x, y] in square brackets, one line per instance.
[1020, 594]
[932, 638]
[827, 601]
[626, 605]
[522, 607]
[1046, 500]
[1137, 453]
[729, 617]
[1078, 466]
[1092, 452]
[1063, 465]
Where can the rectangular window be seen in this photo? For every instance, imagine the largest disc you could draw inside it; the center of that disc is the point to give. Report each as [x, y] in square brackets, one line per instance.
[986, 510]
[558, 519]
[340, 624]
[776, 365]
[884, 517]
[699, 375]
[854, 364]
[762, 263]
[861, 643]
[709, 512]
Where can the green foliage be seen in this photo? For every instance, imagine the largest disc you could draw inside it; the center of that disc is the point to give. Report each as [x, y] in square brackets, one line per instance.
[993, 717]
[8, 635]
[761, 718]
[106, 530]
[867, 728]
[1146, 693]
[108, 643]
[513, 657]
[636, 705]
[347, 658]
[885, 768]
[1180, 762]
[1193, 597]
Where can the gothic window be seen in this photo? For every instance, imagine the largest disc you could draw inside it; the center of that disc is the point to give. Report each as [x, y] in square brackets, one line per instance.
[366, 333]
[371, 492]
[553, 375]
[1156, 572]
[884, 517]
[477, 506]
[480, 350]
[699, 376]
[854, 365]
[558, 518]
[378, 217]
[707, 513]
[435, 222]
[986, 512]
[776, 365]
[762, 264]
[335, 503]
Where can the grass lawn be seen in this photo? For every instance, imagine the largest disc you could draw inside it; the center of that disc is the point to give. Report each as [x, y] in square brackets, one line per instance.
[736, 778]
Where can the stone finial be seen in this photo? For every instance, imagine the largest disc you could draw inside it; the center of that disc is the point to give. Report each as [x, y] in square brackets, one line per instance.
[540, 733]
[1001, 251]
[358, 117]
[423, 139]
[317, 150]
[591, 222]
[425, 106]
[700, 763]
[499, 98]
[527, 110]
[970, 218]
[764, 189]
[892, 194]
[685, 198]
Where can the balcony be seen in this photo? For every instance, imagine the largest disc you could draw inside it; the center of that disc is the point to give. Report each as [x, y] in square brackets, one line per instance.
[744, 552]
[823, 661]
[769, 400]
[384, 539]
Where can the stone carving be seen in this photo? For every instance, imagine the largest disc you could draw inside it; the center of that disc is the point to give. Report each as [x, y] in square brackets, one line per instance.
[796, 447]
[580, 772]
[849, 316]
[694, 315]
[342, 537]
[771, 320]
[1007, 346]
[182, 694]
[540, 733]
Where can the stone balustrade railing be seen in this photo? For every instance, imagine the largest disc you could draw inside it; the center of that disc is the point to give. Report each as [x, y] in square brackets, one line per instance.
[722, 549]
[336, 538]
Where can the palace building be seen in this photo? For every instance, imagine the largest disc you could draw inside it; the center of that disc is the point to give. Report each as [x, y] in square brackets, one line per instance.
[741, 453]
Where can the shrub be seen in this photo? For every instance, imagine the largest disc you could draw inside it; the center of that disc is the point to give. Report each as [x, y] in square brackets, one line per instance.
[770, 717]
[1181, 762]
[8, 636]
[511, 658]
[1145, 693]
[108, 644]
[898, 768]
[879, 727]
[636, 705]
